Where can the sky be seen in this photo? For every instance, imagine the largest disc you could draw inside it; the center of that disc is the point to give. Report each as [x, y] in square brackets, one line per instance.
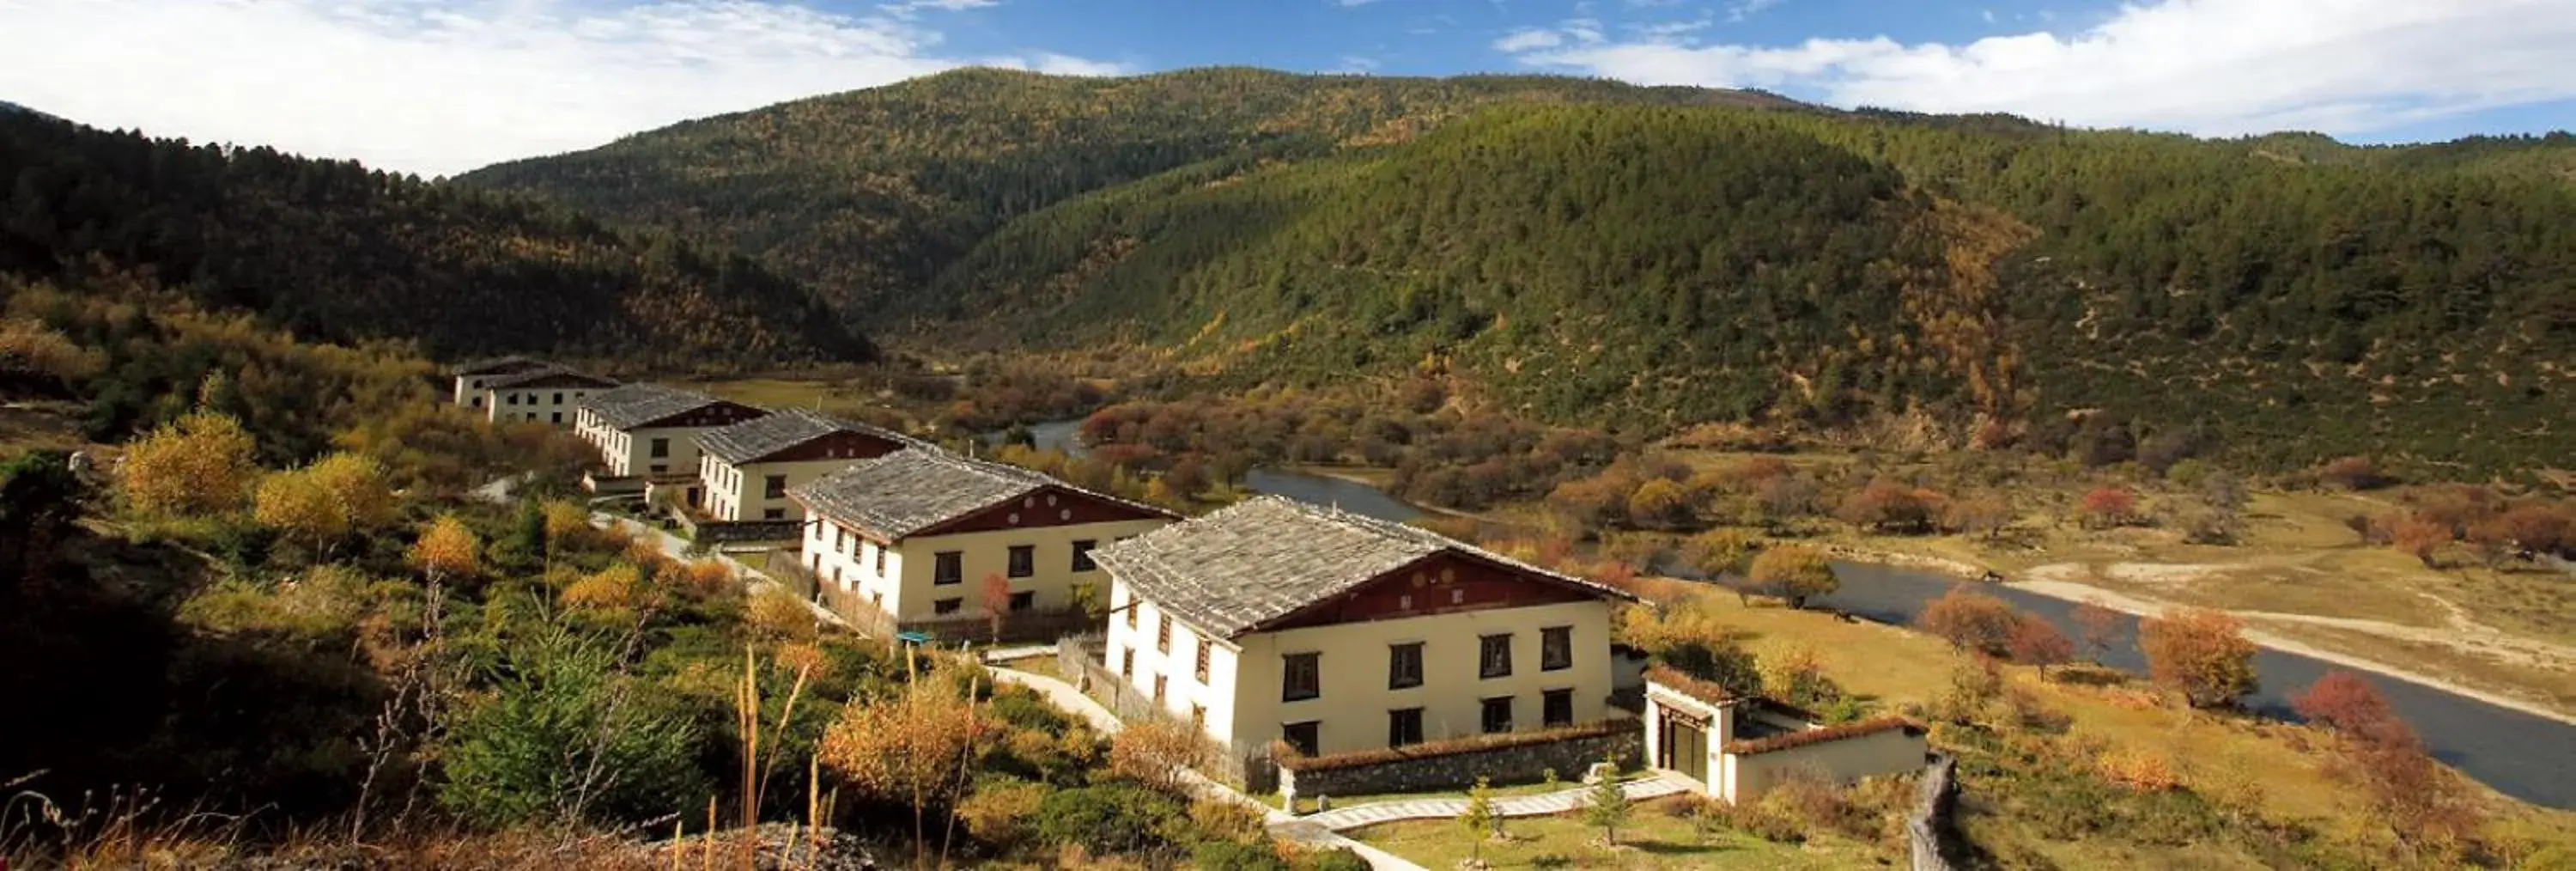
[439, 87]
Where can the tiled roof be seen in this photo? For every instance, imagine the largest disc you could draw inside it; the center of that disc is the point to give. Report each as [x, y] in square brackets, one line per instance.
[548, 372]
[1821, 734]
[637, 404]
[914, 489]
[1262, 559]
[780, 430]
[489, 365]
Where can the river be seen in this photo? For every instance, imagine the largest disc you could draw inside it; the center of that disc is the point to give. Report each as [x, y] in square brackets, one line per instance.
[2528, 757]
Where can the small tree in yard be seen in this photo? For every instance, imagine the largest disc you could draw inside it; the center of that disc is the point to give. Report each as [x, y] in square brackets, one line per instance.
[1480, 819]
[1606, 803]
[1157, 750]
[2201, 653]
[1795, 573]
[995, 596]
[2035, 641]
[2097, 624]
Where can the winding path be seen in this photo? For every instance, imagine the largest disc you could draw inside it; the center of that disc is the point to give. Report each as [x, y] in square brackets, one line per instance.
[1561, 801]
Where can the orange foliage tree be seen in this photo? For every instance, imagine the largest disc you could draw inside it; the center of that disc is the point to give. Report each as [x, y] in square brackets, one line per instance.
[2108, 506]
[2201, 653]
[2097, 624]
[2420, 538]
[2344, 702]
[1971, 620]
[2035, 641]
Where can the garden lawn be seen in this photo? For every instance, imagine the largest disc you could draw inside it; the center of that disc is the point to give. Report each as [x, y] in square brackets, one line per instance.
[1653, 839]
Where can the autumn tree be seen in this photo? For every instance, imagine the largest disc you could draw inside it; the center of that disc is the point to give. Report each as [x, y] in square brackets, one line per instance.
[1158, 751]
[2348, 704]
[2423, 803]
[2535, 527]
[327, 501]
[2420, 538]
[1658, 504]
[2107, 506]
[1480, 819]
[2097, 625]
[1971, 621]
[1797, 676]
[565, 522]
[1887, 504]
[1984, 515]
[2035, 641]
[1718, 552]
[2201, 653]
[916, 749]
[1795, 573]
[446, 549]
[2352, 473]
[995, 595]
[201, 463]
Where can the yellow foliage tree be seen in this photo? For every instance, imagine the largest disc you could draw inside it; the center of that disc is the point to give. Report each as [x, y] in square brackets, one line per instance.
[617, 586]
[915, 749]
[447, 548]
[325, 502]
[566, 522]
[202, 463]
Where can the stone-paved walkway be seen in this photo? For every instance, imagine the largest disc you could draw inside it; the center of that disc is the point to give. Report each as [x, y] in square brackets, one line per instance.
[1355, 816]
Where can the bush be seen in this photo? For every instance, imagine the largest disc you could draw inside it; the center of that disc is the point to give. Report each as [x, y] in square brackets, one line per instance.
[1336, 859]
[1231, 856]
[1114, 817]
[565, 738]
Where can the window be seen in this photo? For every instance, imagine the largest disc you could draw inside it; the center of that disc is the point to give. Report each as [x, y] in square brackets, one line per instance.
[513, 400]
[1556, 708]
[1403, 726]
[1494, 656]
[1304, 678]
[1127, 662]
[1498, 714]
[881, 560]
[773, 514]
[948, 567]
[1556, 648]
[1203, 660]
[947, 606]
[1082, 554]
[1023, 601]
[1159, 681]
[1163, 633]
[558, 397]
[1198, 716]
[478, 402]
[1403, 665]
[773, 487]
[659, 468]
[1303, 736]
[1024, 560]
[1133, 606]
[661, 447]
[840, 540]
[558, 417]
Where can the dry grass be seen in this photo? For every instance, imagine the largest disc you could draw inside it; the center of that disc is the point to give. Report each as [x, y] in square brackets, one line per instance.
[1653, 839]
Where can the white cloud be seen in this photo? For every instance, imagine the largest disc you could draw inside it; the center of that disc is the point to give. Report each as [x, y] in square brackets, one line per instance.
[1346, 4]
[1743, 9]
[1356, 65]
[443, 86]
[912, 8]
[2218, 67]
[1527, 39]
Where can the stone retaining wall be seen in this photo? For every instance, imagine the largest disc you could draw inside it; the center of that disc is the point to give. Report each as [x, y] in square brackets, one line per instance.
[1927, 830]
[1570, 756]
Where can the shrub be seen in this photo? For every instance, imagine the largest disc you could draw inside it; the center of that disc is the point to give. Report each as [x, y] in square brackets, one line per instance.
[778, 614]
[2344, 702]
[1231, 856]
[1971, 621]
[1336, 859]
[1114, 817]
[1000, 810]
[565, 738]
[2201, 653]
[2108, 506]
[1157, 750]
[1794, 573]
[2352, 473]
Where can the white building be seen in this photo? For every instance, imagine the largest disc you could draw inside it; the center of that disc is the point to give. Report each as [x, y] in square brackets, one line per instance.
[550, 395]
[1278, 620]
[922, 535]
[472, 376]
[747, 468]
[651, 431]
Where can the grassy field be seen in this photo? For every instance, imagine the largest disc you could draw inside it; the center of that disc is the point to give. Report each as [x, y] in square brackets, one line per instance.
[1306, 803]
[1653, 839]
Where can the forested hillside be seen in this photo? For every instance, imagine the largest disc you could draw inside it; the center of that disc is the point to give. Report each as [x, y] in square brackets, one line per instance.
[868, 194]
[337, 252]
[2283, 299]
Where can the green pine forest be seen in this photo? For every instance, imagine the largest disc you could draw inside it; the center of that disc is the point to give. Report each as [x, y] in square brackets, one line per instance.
[1652, 258]
[333, 251]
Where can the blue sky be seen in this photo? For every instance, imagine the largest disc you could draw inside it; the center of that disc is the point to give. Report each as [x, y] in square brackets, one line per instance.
[441, 86]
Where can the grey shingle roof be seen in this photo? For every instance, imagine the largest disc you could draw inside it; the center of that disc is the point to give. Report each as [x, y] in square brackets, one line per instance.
[489, 365]
[637, 404]
[1265, 558]
[777, 431]
[914, 489]
[546, 372]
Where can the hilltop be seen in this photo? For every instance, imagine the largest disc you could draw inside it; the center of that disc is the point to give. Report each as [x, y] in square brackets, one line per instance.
[1653, 258]
[338, 252]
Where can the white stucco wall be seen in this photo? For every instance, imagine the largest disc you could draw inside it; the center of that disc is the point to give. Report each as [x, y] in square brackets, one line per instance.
[1844, 760]
[907, 589]
[551, 405]
[738, 492]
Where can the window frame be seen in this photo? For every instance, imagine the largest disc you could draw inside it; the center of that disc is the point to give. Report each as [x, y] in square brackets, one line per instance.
[947, 567]
[659, 447]
[1289, 685]
[1485, 708]
[1489, 666]
[1397, 677]
[1082, 548]
[947, 606]
[773, 487]
[1022, 561]
[1023, 601]
[1314, 731]
[1403, 727]
[1563, 651]
[1552, 701]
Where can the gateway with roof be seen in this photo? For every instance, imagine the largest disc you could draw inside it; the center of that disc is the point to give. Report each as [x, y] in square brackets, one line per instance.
[550, 395]
[915, 535]
[472, 375]
[1736, 748]
[1279, 620]
[748, 467]
[651, 430]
